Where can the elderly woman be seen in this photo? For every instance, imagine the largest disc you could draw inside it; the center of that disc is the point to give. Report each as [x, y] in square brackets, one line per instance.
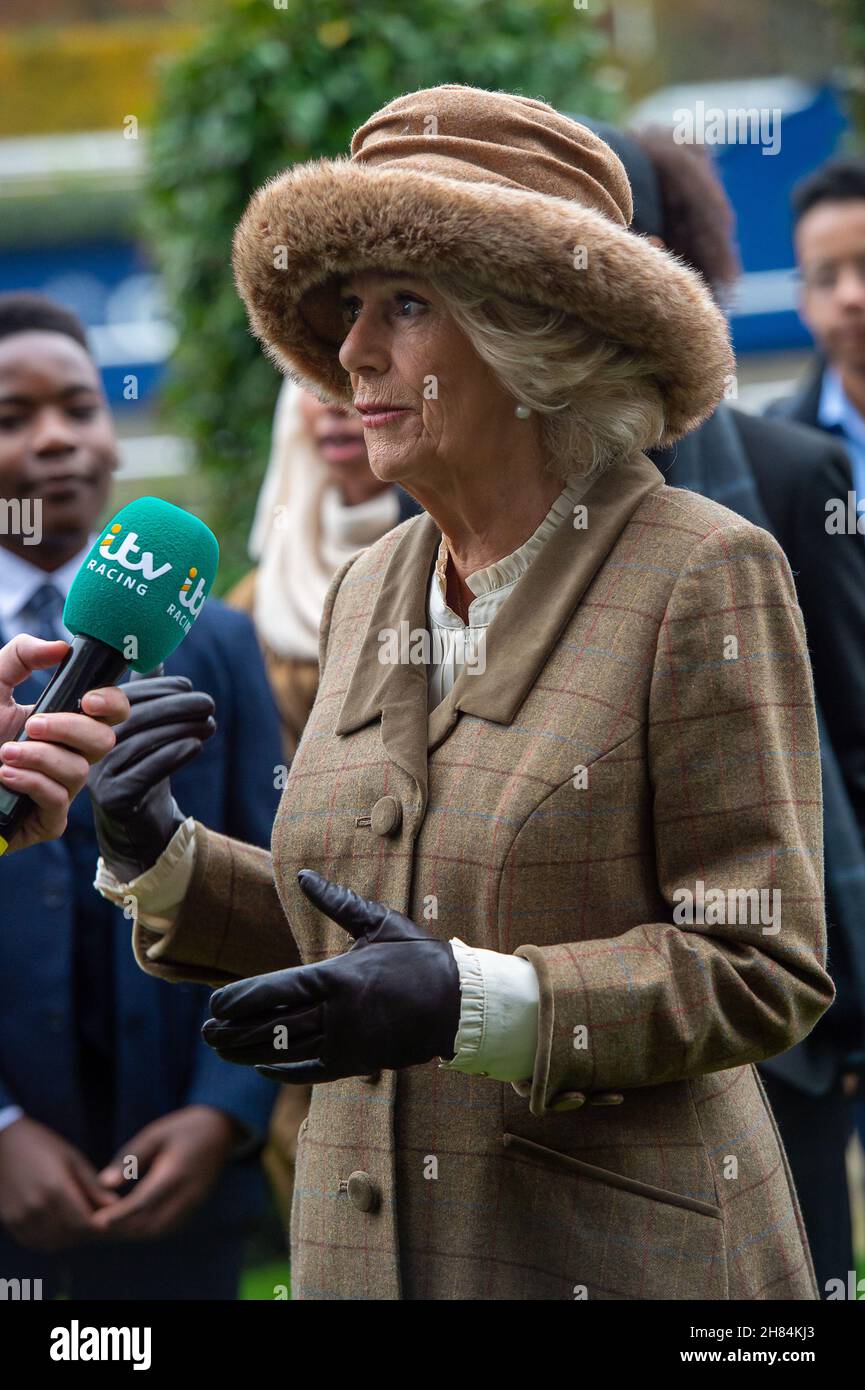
[546, 876]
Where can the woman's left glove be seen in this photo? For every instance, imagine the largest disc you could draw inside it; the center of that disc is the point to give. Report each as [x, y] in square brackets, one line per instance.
[392, 1000]
[134, 813]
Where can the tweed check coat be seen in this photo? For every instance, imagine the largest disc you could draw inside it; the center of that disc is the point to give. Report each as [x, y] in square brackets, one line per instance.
[618, 747]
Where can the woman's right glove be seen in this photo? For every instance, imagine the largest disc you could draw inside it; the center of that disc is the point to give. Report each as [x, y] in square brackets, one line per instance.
[392, 1000]
[134, 812]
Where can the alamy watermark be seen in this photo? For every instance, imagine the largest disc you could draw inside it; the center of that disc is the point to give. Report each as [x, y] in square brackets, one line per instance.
[715, 907]
[20, 1290]
[22, 518]
[844, 517]
[415, 646]
[735, 125]
[77, 1343]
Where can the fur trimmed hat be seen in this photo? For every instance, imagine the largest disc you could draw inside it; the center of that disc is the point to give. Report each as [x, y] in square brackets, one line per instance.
[497, 188]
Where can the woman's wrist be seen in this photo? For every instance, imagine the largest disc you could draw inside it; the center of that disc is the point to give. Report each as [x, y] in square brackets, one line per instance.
[498, 1027]
[157, 894]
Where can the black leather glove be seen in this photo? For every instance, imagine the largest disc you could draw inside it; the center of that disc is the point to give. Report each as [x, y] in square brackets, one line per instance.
[392, 1000]
[134, 812]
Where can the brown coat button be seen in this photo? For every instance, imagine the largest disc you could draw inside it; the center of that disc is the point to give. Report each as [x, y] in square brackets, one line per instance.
[386, 816]
[362, 1191]
[568, 1100]
[606, 1098]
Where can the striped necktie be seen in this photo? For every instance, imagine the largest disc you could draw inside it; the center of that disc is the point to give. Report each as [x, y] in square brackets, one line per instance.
[41, 618]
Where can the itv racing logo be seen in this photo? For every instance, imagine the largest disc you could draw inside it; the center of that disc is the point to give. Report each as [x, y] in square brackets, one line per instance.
[124, 562]
[127, 547]
[121, 566]
[189, 601]
[190, 598]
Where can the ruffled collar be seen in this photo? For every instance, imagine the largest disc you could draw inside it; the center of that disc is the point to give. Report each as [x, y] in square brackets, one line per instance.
[491, 584]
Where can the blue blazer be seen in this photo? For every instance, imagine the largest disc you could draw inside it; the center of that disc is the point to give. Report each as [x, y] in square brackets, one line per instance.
[161, 1062]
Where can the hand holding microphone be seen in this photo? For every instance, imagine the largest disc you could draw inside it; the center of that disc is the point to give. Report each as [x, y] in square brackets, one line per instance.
[134, 599]
[52, 764]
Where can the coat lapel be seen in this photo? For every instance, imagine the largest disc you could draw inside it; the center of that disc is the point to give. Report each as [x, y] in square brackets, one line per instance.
[397, 691]
[518, 642]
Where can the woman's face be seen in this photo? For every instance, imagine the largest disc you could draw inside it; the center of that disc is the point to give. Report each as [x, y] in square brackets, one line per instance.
[428, 403]
[337, 433]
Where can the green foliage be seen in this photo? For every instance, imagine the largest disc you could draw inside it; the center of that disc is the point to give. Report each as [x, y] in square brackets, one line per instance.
[260, 1282]
[851, 15]
[275, 82]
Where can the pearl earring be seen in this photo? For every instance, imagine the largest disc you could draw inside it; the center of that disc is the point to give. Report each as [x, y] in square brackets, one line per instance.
[523, 412]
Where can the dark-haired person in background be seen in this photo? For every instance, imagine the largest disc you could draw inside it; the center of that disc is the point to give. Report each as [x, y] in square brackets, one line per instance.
[779, 475]
[829, 239]
[98, 1061]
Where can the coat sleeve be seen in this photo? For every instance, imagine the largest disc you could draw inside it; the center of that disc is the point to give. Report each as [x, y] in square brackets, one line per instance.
[733, 762]
[231, 923]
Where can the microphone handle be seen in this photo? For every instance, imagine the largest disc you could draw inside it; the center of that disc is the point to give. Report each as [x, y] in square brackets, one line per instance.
[89, 664]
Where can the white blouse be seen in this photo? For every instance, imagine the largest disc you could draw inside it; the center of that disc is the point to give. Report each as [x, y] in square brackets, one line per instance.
[498, 1024]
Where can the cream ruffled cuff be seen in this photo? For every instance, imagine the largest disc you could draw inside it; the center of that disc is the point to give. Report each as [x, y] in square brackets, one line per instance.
[498, 1028]
[156, 895]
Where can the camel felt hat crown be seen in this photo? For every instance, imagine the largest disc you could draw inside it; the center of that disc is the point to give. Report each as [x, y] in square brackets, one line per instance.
[496, 188]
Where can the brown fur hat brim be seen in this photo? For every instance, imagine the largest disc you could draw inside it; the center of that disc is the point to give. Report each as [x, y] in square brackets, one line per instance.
[333, 217]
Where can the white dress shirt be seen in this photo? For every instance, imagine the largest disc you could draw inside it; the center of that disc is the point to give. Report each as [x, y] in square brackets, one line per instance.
[836, 408]
[19, 580]
[498, 1026]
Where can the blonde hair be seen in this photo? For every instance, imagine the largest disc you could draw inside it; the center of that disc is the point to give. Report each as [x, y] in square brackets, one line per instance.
[597, 402]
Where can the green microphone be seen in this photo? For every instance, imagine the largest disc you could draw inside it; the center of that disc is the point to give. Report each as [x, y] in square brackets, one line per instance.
[134, 599]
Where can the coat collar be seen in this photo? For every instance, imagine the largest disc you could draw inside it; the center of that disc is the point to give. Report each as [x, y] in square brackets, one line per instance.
[518, 642]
